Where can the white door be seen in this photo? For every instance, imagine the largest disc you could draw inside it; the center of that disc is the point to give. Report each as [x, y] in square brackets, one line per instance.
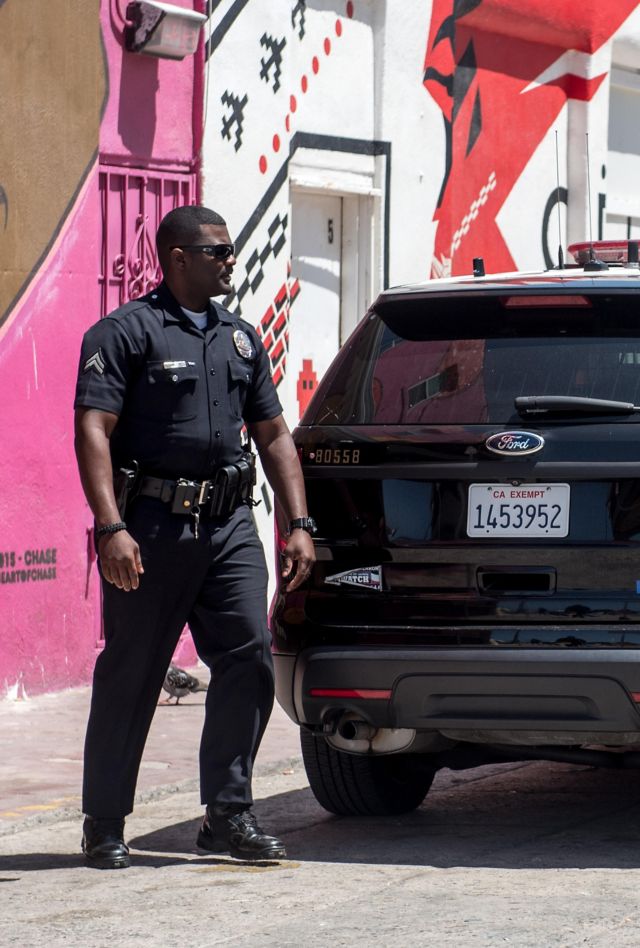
[316, 254]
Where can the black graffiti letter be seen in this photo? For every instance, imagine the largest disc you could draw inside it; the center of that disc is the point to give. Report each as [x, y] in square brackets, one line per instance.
[235, 116]
[557, 196]
[273, 61]
[299, 12]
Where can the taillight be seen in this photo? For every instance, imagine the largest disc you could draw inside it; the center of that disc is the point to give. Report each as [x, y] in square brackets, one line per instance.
[375, 694]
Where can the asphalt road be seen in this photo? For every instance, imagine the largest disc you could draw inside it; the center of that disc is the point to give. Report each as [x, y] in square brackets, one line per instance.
[524, 854]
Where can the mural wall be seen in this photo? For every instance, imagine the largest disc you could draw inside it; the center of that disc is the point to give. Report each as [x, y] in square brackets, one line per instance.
[350, 144]
[74, 105]
[504, 74]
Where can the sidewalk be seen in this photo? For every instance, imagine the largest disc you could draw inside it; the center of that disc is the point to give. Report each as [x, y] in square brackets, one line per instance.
[41, 742]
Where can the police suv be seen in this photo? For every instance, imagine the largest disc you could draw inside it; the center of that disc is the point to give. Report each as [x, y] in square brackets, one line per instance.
[472, 459]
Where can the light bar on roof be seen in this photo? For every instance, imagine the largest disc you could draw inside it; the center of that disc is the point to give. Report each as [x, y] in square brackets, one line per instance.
[609, 251]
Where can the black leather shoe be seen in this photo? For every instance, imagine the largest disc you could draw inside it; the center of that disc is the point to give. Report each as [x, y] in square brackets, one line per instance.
[234, 829]
[103, 844]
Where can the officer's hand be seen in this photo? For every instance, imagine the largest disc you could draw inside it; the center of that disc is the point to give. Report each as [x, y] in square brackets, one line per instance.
[299, 550]
[120, 560]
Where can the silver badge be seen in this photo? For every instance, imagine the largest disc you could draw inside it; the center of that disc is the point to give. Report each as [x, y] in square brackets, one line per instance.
[367, 577]
[243, 344]
[96, 362]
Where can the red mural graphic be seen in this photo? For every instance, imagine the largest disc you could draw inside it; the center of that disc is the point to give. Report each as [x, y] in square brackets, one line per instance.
[307, 382]
[273, 328]
[483, 59]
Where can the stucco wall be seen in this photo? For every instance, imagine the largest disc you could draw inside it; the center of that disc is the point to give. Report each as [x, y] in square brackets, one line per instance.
[72, 94]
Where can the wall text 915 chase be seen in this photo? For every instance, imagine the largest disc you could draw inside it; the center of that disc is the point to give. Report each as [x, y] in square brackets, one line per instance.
[33, 565]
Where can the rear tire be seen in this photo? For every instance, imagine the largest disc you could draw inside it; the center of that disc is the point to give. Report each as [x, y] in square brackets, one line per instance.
[353, 785]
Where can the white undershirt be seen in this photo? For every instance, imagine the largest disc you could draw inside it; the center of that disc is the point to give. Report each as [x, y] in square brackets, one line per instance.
[200, 319]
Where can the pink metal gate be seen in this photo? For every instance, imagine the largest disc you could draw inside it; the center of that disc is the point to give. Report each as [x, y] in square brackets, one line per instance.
[133, 202]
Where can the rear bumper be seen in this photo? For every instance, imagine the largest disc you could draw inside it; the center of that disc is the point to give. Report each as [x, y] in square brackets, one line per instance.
[468, 690]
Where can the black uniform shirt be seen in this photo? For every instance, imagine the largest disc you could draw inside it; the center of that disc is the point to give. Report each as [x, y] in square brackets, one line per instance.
[182, 394]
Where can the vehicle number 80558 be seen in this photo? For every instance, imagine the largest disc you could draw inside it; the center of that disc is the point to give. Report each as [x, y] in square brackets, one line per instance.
[335, 456]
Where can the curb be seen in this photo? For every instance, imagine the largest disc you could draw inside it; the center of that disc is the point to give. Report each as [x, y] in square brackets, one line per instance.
[68, 813]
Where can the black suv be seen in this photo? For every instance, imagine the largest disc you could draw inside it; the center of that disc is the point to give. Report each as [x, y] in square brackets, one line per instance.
[472, 459]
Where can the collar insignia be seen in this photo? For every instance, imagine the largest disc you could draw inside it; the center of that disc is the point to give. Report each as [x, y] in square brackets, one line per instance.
[95, 362]
[243, 344]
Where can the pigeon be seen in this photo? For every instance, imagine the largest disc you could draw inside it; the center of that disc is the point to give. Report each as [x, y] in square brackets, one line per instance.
[178, 683]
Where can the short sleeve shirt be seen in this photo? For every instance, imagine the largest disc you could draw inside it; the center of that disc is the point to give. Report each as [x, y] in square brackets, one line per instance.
[182, 395]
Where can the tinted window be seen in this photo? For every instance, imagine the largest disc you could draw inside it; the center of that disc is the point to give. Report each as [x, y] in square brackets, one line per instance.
[464, 361]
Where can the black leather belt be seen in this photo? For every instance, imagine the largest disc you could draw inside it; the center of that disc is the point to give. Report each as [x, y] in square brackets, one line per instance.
[205, 498]
[158, 487]
[218, 496]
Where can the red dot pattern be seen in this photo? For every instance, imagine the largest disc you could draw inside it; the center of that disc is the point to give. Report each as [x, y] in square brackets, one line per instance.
[276, 143]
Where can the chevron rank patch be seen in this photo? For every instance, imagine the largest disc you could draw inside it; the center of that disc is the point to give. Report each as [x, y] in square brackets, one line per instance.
[95, 362]
[243, 344]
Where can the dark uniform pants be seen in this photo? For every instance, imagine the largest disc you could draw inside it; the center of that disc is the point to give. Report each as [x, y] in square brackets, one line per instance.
[217, 584]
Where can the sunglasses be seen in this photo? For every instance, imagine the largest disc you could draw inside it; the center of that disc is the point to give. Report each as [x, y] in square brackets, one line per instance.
[219, 251]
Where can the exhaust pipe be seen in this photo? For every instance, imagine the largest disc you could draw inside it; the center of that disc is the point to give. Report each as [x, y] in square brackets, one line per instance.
[354, 730]
[349, 733]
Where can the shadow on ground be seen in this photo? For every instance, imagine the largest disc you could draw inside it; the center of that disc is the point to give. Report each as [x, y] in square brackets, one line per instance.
[538, 816]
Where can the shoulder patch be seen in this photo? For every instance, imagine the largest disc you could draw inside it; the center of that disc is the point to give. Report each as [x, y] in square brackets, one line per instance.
[96, 363]
[243, 344]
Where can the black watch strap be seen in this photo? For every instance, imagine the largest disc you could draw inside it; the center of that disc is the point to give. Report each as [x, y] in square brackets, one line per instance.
[303, 523]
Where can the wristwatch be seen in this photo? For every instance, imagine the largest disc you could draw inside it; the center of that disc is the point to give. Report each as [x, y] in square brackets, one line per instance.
[303, 523]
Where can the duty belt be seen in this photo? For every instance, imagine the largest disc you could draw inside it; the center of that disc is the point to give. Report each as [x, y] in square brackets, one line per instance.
[218, 496]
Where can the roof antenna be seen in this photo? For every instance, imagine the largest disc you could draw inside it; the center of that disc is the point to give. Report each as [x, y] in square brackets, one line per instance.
[592, 263]
[560, 253]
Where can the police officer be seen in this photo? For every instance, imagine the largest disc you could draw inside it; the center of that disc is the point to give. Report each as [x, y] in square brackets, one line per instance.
[165, 385]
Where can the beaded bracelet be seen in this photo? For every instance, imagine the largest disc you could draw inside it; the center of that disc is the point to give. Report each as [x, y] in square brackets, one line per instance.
[110, 528]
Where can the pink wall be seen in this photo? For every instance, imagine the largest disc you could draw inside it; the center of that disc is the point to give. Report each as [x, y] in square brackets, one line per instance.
[49, 589]
[149, 115]
[49, 624]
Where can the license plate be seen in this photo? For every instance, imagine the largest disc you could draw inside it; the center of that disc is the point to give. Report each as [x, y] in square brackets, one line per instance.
[529, 510]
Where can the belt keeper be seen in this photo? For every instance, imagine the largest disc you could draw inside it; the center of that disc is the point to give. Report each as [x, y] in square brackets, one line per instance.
[203, 496]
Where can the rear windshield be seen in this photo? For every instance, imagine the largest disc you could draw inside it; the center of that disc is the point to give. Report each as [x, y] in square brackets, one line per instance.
[464, 360]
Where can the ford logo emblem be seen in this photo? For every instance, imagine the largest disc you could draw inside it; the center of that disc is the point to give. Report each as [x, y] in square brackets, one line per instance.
[514, 443]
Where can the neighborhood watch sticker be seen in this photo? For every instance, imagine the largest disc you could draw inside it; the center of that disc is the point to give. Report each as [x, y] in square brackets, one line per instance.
[368, 577]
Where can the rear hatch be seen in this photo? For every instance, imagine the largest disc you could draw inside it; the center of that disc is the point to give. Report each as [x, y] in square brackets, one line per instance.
[450, 510]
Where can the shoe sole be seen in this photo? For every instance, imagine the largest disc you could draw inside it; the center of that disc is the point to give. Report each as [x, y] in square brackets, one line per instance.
[203, 842]
[122, 862]
[106, 862]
